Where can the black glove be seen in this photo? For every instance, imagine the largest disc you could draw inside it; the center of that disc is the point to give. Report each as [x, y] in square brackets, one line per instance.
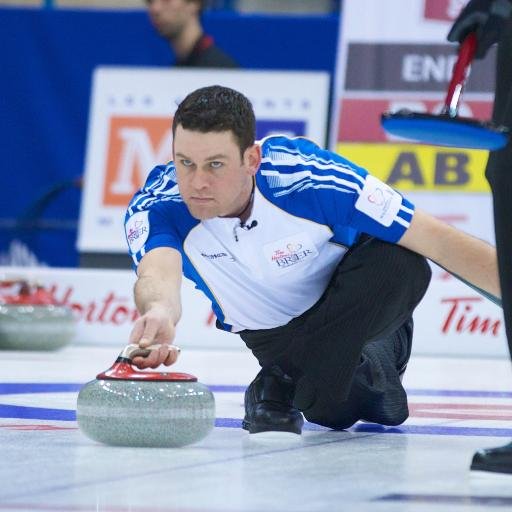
[487, 18]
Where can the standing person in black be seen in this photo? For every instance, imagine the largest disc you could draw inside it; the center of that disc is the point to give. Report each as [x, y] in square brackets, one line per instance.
[492, 21]
[179, 22]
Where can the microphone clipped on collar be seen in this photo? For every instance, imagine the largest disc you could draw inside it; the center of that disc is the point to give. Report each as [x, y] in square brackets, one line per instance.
[247, 227]
[242, 225]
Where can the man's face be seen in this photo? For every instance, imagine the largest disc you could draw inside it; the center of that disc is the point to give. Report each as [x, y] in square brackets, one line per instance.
[170, 16]
[214, 179]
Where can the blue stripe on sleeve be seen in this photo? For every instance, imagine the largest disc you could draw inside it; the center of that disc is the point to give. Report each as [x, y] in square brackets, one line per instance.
[313, 183]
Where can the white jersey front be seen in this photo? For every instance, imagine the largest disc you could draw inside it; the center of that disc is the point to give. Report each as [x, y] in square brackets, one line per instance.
[309, 206]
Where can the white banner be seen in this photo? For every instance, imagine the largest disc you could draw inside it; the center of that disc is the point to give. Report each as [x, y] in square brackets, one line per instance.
[454, 320]
[394, 54]
[102, 301]
[451, 320]
[130, 131]
[471, 213]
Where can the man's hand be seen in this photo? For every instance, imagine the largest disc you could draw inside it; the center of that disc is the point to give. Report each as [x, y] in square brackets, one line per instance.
[485, 17]
[155, 330]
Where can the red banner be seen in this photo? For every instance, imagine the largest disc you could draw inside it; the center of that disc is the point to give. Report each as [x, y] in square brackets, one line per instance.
[360, 118]
[444, 10]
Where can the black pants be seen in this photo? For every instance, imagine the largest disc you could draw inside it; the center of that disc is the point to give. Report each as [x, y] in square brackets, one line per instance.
[344, 353]
[499, 175]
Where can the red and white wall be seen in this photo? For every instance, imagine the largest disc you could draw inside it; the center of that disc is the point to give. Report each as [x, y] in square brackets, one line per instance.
[452, 319]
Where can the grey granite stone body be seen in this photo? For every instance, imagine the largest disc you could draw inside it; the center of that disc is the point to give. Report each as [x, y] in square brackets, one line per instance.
[38, 327]
[145, 413]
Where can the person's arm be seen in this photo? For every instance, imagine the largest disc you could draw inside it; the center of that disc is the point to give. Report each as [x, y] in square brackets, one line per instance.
[459, 253]
[157, 296]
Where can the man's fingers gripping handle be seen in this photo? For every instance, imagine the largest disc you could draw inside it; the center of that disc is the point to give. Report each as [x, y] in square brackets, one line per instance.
[149, 330]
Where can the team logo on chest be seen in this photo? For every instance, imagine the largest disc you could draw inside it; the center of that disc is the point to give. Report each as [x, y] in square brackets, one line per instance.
[290, 252]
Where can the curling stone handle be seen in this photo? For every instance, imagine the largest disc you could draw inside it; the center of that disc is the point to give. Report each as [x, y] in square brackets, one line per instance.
[460, 74]
[132, 350]
[122, 368]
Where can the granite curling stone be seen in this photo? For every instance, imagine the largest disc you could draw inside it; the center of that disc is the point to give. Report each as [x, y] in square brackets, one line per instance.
[31, 320]
[128, 407]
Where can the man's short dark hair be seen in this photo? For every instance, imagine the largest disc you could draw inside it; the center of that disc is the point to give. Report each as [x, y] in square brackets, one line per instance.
[218, 109]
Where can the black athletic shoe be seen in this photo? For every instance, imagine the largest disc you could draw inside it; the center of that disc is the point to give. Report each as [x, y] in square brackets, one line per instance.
[403, 347]
[494, 460]
[269, 404]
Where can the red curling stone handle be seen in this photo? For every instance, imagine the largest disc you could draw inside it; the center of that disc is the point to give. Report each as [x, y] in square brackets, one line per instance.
[122, 369]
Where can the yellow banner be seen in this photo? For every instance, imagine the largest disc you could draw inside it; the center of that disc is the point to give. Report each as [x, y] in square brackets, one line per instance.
[414, 167]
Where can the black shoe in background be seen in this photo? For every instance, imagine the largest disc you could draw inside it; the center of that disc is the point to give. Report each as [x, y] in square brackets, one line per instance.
[493, 460]
[269, 404]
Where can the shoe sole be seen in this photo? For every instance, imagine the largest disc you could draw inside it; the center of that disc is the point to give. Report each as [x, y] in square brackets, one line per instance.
[264, 429]
[490, 474]
[274, 436]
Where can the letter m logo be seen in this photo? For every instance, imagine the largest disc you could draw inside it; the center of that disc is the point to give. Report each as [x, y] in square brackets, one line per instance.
[135, 146]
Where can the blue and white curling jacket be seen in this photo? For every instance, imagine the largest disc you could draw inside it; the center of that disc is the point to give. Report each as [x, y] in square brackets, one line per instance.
[310, 205]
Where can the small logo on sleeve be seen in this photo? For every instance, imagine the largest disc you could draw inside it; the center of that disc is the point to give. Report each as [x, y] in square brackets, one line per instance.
[377, 197]
[379, 201]
[137, 231]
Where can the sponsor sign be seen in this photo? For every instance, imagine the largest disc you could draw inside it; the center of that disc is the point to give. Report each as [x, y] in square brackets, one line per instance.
[102, 302]
[360, 114]
[463, 323]
[391, 58]
[452, 207]
[421, 168]
[134, 145]
[451, 319]
[443, 10]
[130, 131]
[410, 67]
